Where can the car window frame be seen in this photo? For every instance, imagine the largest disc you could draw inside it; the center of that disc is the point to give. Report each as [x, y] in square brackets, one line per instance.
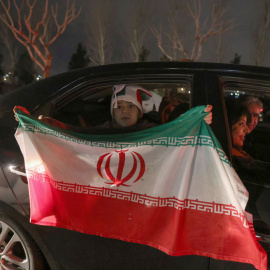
[95, 85]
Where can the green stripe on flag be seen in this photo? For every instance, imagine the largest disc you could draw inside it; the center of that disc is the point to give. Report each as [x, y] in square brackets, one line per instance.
[188, 129]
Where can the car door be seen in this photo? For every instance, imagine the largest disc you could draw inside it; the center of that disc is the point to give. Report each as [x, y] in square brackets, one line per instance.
[217, 87]
[255, 176]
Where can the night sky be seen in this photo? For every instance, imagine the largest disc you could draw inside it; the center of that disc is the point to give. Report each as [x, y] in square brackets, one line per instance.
[238, 40]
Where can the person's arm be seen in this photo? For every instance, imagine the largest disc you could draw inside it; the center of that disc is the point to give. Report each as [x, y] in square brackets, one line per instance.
[47, 120]
[54, 122]
[59, 124]
[77, 129]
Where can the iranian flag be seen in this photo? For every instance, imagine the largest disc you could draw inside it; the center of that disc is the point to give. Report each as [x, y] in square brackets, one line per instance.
[170, 187]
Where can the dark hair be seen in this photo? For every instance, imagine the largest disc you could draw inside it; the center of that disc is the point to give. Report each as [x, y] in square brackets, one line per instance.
[179, 109]
[234, 112]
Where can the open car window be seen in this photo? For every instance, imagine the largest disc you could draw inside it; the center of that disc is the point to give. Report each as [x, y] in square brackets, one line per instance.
[259, 138]
[92, 107]
[252, 160]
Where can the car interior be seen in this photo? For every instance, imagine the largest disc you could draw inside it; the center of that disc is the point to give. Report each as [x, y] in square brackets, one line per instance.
[94, 109]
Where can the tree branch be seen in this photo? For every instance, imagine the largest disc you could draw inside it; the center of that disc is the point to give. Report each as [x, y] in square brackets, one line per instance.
[203, 31]
[158, 35]
[70, 15]
[33, 40]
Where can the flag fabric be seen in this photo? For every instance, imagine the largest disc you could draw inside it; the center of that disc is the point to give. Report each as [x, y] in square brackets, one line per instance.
[170, 187]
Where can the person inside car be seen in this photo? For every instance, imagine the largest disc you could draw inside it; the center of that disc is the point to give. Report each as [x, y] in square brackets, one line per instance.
[166, 107]
[237, 116]
[126, 108]
[248, 169]
[126, 111]
[253, 105]
[244, 164]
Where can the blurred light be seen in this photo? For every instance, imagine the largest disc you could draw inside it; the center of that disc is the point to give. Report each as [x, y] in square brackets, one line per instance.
[38, 77]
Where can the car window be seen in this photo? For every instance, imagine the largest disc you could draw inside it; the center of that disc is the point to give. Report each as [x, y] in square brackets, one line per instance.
[251, 160]
[259, 137]
[92, 107]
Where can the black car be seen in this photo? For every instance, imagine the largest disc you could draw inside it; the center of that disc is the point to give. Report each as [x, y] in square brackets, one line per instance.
[82, 97]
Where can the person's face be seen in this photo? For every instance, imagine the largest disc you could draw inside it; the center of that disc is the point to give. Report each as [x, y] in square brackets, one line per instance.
[165, 114]
[126, 114]
[254, 112]
[239, 131]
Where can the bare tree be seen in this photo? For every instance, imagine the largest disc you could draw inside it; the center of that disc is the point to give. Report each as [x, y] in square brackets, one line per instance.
[36, 34]
[223, 4]
[203, 32]
[99, 31]
[137, 28]
[176, 25]
[219, 47]
[261, 34]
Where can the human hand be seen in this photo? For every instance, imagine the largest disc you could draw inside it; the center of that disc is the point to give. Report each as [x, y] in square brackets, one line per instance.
[209, 116]
[52, 121]
[21, 109]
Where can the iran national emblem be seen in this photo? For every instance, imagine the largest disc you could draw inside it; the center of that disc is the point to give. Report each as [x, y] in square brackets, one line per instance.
[121, 166]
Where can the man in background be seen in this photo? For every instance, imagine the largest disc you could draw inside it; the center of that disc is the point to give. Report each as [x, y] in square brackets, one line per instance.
[253, 106]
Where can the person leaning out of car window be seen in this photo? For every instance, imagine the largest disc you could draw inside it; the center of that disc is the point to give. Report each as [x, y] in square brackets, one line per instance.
[126, 110]
[253, 105]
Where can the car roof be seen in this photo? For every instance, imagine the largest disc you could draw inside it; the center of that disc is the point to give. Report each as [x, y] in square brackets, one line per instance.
[31, 94]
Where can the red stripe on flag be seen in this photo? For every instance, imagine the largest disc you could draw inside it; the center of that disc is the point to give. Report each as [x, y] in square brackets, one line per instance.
[176, 232]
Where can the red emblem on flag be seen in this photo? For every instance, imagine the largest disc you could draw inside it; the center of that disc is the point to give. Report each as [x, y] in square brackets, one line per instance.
[120, 168]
